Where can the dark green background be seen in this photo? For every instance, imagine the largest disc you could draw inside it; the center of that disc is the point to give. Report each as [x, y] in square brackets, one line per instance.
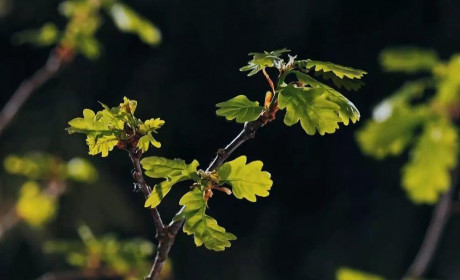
[329, 207]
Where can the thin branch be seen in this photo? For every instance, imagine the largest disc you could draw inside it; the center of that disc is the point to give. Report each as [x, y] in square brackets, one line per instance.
[167, 240]
[55, 63]
[434, 232]
[9, 220]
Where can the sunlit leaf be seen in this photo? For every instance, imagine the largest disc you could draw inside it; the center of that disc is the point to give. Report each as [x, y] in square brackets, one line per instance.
[262, 60]
[173, 170]
[347, 110]
[239, 108]
[338, 70]
[247, 180]
[310, 106]
[204, 228]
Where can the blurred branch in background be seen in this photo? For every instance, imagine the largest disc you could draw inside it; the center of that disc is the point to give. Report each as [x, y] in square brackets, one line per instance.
[434, 232]
[47, 179]
[79, 36]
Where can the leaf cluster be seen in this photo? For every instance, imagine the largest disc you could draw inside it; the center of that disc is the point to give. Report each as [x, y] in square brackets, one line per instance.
[318, 106]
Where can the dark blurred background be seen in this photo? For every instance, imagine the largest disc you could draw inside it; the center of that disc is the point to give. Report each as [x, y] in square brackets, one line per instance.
[330, 206]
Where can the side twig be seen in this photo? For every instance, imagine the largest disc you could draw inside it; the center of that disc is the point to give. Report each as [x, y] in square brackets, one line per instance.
[54, 64]
[434, 233]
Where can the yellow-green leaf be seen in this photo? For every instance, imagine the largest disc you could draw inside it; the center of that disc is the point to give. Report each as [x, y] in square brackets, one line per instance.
[204, 228]
[247, 180]
[338, 70]
[239, 108]
[347, 110]
[311, 107]
[427, 175]
[146, 140]
[101, 144]
[173, 170]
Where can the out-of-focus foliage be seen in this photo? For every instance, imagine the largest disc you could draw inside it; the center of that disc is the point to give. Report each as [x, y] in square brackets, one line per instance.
[43, 166]
[34, 206]
[47, 178]
[130, 259]
[316, 105]
[408, 59]
[345, 273]
[84, 20]
[106, 128]
[398, 120]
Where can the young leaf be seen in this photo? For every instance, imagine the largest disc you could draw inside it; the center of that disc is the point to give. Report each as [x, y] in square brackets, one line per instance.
[427, 175]
[34, 205]
[241, 108]
[310, 106]
[262, 60]
[348, 84]
[391, 130]
[338, 70]
[347, 111]
[408, 59]
[204, 228]
[102, 144]
[159, 167]
[173, 170]
[247, 180]
[109, 126]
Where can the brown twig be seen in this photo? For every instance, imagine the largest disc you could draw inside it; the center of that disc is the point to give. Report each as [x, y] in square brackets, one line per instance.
[434, 232]
[57, 59]
[169, 232]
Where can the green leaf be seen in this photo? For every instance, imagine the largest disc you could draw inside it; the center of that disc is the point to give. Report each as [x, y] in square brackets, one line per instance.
[159, 167]
[348, 84]
[391, 130]
[408, 59]
[262, 60]
[110, 126]
[310, 106]
[347, 110]
[427, 175]
[338, 70]
[247, 180]
[173, 170]
[241, 108]
[101, 144]
[204, 228]
[448, 88]
[127, 20]
[145, 141]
